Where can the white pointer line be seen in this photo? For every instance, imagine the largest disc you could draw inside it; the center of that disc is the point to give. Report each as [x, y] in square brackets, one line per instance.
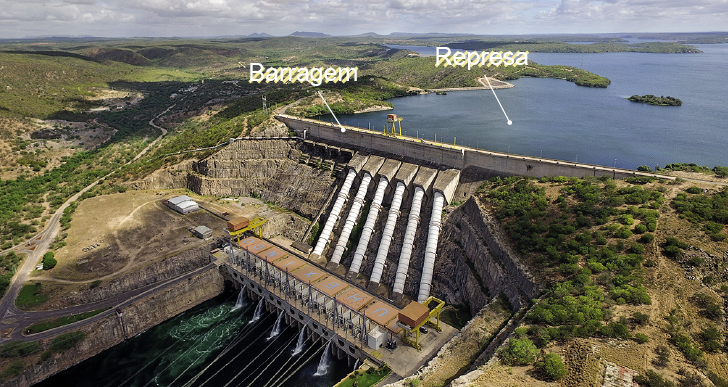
[332, 112]
[496, 98]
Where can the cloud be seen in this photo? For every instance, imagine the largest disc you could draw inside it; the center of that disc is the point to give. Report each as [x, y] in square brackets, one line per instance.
[281, 17]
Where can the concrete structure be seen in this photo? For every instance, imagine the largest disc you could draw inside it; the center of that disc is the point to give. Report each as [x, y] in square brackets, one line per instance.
[202, 232]
[356, 322]
[182, 204]
[453, 156]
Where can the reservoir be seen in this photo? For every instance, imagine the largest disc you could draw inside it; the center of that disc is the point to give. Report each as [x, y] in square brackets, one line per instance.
[559, 120]
[213, 344]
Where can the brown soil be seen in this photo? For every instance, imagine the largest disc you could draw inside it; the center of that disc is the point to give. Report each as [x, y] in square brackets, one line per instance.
[466, 347]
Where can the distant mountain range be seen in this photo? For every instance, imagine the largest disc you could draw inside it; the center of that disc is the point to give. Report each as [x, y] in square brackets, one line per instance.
[305, 34]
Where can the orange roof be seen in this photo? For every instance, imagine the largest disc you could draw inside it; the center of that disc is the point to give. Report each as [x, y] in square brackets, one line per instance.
[256, 248]
[290, 263]
[414, 314]
[380, 312]
[309, 273]
[272, 254]
[392, 326]
[354, 298]
[247, 241]
[330, 285]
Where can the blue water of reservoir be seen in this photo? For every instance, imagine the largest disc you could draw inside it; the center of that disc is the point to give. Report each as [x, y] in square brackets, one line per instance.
[595, 126]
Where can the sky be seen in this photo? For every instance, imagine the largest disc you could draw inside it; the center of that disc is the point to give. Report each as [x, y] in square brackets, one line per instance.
[204, 18]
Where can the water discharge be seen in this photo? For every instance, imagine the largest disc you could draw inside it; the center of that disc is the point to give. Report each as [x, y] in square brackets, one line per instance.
[210, 345]
[323, 366]
[356, 365]
[241, 299]
[258, 312]
[301, 342]
[276, 327]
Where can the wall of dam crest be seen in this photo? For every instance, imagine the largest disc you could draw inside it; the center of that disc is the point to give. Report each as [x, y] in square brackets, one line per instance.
[449, 155]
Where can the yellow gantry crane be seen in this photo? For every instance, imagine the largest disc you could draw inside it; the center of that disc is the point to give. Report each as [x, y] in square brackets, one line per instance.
[415, 315]
[392, 123]
[253, 225]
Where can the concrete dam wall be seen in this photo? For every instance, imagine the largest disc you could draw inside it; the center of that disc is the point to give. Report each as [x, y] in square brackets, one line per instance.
[458, 157]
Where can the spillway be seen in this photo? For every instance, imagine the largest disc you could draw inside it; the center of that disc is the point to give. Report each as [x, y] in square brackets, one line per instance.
[366, 233]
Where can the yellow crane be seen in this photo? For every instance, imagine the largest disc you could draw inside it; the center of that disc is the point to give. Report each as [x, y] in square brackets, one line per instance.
[254, 225]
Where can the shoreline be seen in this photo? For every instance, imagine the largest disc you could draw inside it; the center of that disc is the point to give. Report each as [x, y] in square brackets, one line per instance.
[497, 84]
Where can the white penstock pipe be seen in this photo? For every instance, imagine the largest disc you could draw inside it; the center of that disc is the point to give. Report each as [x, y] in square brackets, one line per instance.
[334, 215]
[433, 235]
[366, 232]
[352, 218]
[387, 234]
[409, 241]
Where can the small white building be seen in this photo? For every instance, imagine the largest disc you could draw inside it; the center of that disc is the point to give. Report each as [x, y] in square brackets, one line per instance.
[183, 204]
[202, 232]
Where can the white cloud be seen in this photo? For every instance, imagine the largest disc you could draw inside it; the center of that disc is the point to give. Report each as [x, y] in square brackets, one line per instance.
[281, 17]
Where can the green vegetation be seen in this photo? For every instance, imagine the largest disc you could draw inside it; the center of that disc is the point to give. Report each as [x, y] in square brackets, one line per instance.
[653, 379]
[8, 265]
[519, 352]
[552, 366]
[61, 321]
[583, 239]
[49, 261]
[708, 210]
[66, 341]
[561, 47]
[19, 348]
[368, 378]
[659, 101]
[15, 368]
[31, 295]
[421, 72]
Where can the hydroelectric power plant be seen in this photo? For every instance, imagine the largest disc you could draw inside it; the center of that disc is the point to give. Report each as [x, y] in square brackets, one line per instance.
[396, 233]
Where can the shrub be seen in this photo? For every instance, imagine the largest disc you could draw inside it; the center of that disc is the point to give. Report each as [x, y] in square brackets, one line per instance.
[94, 284]
[45, 355]
[519, 352]
[552, 366]
[49, 261]
[15, 368]
[647, 238]
[640, 318]
[637, 249]
[641, 338]
[652, 379]
[66, 341]
[18, 348]
[623, 233]
[663, 355]
[694, 190]
[640, 229]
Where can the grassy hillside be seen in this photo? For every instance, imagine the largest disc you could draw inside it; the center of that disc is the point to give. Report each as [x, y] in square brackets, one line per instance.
[625, 263]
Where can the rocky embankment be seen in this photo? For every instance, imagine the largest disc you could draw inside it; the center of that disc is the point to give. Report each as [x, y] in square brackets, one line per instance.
[472, 252]
[293, 174]
[137, 317]
[165, 269]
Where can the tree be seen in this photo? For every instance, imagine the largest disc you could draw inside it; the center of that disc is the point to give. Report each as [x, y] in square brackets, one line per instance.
[519, 352]
[552, 366]
[49, 261]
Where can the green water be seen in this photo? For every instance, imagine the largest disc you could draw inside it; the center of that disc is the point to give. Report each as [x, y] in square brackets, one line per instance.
[212, 344]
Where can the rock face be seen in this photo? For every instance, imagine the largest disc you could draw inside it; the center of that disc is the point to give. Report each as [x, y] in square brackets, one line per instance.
[137, 317]
[293, 174]
[472, 252]
[171, 267]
